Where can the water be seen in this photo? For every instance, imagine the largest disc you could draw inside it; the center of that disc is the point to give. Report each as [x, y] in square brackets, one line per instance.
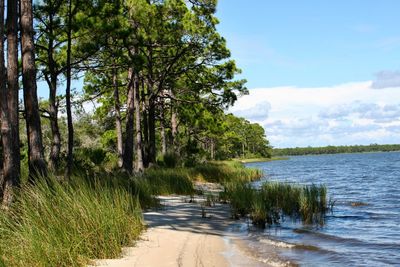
[364, 229]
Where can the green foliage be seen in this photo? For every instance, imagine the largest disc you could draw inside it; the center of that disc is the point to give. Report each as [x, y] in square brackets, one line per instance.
[67, 224]
[169, 160]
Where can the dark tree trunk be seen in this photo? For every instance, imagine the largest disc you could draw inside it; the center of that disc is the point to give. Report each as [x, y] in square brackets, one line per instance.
[9, 106]
[51, 80]
[145, 119]
[128, 150]
[3, 97]
[37, 164]
[162, 126]
[118, 122]
[55, 130]
[138, 127]
[70, 159]
[152, 131]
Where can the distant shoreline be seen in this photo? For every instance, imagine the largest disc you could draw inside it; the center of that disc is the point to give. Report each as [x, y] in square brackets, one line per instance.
[302, 151]
[261, 159]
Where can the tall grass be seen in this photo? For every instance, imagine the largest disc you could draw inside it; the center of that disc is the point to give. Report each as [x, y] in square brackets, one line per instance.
[95, 214]
[225, 171]
[273, 201]
[55, 224]
[168, 181]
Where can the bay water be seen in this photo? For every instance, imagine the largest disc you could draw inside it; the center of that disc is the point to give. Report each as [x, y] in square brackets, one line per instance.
[362, 230]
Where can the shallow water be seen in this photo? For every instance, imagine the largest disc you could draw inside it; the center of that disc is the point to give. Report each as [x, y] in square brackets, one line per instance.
[364, 229]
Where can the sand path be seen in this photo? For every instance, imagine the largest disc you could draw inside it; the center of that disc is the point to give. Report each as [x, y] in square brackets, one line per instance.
[179, 235]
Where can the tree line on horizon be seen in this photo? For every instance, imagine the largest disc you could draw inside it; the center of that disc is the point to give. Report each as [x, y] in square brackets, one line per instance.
[298, 151]
[159, 71]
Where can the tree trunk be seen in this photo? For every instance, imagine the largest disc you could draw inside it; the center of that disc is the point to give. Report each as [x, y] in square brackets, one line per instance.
[212, 148]
[128, 150]
[145, 130]
[9, 106]
[138, 127]
[152, 131]
[162, 126]
[174, 130]
[55, 129]
[53, 105]
[118, 122]
[37, 165]
[70, 159]
[3, 97]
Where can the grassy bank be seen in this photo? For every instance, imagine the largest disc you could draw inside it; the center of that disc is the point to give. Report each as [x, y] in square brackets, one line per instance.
[68, 223]
[93, 216]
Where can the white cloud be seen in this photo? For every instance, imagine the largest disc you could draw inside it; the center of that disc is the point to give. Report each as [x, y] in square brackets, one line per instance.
[259, 111]
[352, 113]
[385, 79]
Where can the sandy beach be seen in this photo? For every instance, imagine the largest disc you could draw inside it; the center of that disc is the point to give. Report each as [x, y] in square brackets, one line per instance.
[180, 234]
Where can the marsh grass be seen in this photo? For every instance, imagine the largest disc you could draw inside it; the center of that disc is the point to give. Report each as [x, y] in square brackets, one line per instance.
[67, 224]
[169, 181]
[95, 214]
[224, 171]
[273, 201]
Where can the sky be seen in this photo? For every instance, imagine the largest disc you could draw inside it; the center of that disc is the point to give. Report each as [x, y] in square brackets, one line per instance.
[319, 72]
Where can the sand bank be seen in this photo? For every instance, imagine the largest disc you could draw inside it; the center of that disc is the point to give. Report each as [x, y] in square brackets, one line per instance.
[183, 233]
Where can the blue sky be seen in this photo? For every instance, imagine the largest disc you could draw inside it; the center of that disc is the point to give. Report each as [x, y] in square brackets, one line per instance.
[319, 72]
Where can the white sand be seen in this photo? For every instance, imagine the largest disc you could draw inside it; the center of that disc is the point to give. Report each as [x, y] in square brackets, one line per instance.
[178, 235]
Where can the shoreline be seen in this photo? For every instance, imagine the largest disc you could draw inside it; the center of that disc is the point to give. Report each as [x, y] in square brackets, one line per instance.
[179, 235]
[262, 159]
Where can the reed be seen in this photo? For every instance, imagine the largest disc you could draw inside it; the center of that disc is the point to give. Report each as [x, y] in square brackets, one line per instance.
[240, 196]
[270, 203]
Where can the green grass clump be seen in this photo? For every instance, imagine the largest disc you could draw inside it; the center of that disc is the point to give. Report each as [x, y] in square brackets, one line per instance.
[225, 171]
[273, 201]
[240, 196]
[168, 181]
[313, 203]
[67, 224]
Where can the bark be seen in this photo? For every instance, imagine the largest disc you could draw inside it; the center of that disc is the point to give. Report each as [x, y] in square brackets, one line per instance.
[138, 127]
[162, 125]
[3, 98]
[9, 108]
[70, 159]
[212, 149]
[152, 131]
[51, 80]
[145, 119]
[2, 90]
[174, 130]
[118, 121]
[36, 162]
[128, 150]
[55, 129]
